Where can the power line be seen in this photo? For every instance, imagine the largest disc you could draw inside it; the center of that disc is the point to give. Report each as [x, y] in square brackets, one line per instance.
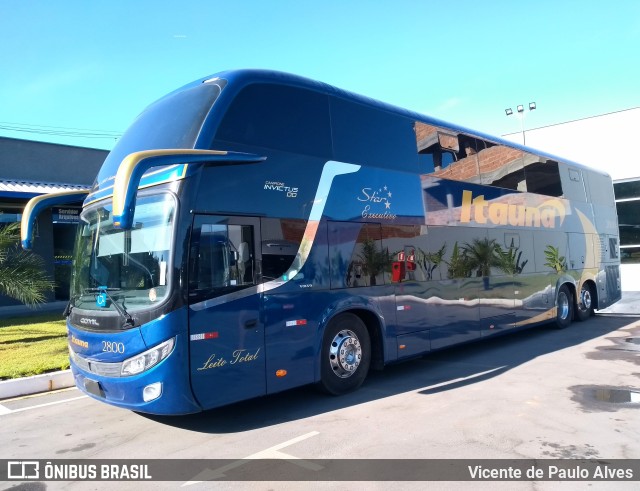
[59, 131]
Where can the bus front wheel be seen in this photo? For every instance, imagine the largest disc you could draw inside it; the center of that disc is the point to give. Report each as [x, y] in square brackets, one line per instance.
[564, 307]
[346, 354]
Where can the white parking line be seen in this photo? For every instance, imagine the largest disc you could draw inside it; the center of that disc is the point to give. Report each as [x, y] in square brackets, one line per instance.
[269, 453]
[5, 410]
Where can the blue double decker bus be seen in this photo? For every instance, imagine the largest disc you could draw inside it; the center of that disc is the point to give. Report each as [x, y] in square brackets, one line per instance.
[256, 231]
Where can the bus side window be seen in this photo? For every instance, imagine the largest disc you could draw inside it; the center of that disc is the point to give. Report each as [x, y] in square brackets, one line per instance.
[257, 117]
[501, 166]
[356, 255]
[280, 244]
[385, 137]
[543, 176]
[221, 259]
[445, 153]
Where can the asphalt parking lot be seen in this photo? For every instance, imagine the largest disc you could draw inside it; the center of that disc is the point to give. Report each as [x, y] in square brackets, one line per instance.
[536, 394]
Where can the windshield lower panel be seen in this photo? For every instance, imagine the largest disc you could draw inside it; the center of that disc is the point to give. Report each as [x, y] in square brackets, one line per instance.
[124, 271]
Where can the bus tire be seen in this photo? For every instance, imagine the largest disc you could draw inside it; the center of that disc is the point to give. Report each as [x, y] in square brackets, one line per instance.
[564, 307]
[584, 303]
[346, 354]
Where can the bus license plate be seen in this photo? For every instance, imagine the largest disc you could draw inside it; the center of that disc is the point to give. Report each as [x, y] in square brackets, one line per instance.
[93, 387]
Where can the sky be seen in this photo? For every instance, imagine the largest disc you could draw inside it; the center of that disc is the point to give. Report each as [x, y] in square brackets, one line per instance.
[78, 72]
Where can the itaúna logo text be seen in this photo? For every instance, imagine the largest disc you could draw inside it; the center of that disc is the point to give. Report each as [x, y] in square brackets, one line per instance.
[476, 209]
[79, 342]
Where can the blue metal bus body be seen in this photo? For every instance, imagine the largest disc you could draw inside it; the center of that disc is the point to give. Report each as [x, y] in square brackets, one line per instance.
[329, 234]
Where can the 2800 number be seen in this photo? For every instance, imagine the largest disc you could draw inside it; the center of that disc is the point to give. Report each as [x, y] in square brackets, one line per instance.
[112, 347]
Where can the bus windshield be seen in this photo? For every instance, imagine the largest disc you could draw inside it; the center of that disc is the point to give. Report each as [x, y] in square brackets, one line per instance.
[126, 267]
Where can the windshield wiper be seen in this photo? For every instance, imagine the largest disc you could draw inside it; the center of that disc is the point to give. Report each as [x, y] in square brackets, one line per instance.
[128, 320]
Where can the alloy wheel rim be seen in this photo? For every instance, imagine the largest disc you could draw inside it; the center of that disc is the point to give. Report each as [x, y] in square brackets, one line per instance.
[563, 305]
[345, 353]
[585, 299]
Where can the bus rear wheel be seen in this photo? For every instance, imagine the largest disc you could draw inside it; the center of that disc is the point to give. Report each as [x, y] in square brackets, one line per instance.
[346, 354]
[564, 307]
[584, 305]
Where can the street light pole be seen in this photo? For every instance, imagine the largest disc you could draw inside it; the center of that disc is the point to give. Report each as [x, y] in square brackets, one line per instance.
[520, 109]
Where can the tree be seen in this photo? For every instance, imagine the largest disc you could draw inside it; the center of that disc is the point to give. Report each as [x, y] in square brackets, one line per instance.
[429, 261]
[554, 260]
[22, 274]
[374, 261]
[510, 260]
[457, 266]
[482, 255]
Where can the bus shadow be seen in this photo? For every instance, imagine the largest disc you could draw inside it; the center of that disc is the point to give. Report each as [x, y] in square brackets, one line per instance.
[437, 372]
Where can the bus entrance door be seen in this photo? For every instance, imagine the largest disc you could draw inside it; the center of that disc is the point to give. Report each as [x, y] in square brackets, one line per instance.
[226, 335]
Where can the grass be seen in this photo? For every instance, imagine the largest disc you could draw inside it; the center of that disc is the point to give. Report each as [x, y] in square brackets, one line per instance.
[32, 345]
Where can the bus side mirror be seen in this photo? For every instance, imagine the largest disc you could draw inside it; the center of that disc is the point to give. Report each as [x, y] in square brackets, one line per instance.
[135, 164]
[38, 204]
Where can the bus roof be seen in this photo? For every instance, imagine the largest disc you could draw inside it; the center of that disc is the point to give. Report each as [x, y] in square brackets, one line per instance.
[199, 107]
[240, 78]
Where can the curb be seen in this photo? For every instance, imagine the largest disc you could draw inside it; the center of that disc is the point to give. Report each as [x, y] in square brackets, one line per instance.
[38, 383]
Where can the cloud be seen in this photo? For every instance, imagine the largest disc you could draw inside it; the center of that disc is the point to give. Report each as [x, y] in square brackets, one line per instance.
[55, 81]
[449, 104]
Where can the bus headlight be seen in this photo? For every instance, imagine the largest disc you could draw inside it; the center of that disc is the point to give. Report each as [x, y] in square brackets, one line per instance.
[144, 361]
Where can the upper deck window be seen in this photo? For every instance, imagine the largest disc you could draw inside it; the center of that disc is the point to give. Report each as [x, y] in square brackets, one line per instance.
[448, 154]
[172, 122]
[543, 177]
[371, 136]
[279, 117]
